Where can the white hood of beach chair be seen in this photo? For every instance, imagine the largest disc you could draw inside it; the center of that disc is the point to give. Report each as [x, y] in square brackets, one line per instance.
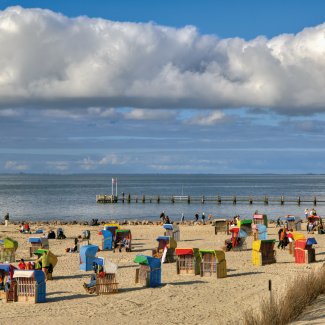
[23, 274]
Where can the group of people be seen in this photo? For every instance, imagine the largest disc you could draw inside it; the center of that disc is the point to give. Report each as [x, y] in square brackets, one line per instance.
[24, 228]
[164, 217]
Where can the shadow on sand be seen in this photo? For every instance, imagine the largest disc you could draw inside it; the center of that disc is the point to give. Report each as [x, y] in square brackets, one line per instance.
[242, 274]
[71, 297]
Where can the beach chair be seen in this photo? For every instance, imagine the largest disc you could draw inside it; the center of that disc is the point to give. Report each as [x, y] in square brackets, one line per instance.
[238, 239]
[263, 252]
[259, 232]
[172, 230]
[106, 284]
[149, 272]
[7, 271]
[246, 225]
[213, 262]
[304, 251]
[260, 219]
[122, 236]
[8, 249]
[188, 261]
[221, 225]
[88, 257]
[37, 243]
[107, 240]
[31, 286]
[165, 250]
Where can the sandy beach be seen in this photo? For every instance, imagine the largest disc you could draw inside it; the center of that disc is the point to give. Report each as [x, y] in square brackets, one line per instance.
[182, 299]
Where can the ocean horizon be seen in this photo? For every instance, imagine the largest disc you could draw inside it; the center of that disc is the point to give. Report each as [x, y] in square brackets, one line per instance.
[73, 196]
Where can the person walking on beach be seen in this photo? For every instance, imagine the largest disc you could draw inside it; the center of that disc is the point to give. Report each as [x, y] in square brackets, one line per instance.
[183, 218]
[6, 219]
[196, 217]
[203, 218]
[306, 213]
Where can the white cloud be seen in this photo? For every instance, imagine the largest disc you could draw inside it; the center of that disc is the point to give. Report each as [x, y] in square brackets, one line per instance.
[58, 165]
[9, 112]
[206, 120]
[150, 114]
[88, 164]
[14, 165]
[111, 159]
[49, 59]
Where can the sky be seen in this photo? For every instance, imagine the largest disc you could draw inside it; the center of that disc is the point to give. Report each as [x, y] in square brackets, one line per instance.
[223, 87]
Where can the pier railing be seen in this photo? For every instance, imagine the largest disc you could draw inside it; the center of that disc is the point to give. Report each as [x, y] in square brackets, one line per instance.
[217, 199]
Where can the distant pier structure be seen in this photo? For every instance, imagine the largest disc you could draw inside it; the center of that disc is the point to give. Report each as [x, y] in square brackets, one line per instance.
[217, 199]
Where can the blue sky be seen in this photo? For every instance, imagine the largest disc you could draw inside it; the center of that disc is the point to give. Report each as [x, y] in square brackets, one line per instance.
[162, 86]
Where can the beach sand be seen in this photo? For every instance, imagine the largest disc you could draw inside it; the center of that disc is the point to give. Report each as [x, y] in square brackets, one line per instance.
[182, 299]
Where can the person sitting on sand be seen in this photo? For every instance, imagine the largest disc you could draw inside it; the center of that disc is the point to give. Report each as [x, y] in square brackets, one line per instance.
[26, 228]
[22, 265]
[90, 287]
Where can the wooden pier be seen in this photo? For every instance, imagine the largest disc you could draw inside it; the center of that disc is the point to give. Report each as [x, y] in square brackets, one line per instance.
[217, 199]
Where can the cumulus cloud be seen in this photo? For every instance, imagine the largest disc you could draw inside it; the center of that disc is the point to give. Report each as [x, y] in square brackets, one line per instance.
[50, 60]
[15, 166]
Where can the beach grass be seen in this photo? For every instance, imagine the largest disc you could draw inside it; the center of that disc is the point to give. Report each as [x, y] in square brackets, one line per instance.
[285, 308]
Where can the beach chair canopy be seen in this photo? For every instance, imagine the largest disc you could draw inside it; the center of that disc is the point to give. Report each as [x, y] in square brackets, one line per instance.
[112, 229]
[10, 243]
[259, 216]
[245, 222]
[297, 235]
[7, 267]
[152, 262]
[88, 250]
[115, 225]
[106, 233]
[123, 233]
[168, 226]
[51, 257]
[311, 241]
[38, 275]
[35, 240]
[170, 242]
[184, 251]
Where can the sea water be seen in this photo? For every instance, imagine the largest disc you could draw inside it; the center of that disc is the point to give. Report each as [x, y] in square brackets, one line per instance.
[73, 197]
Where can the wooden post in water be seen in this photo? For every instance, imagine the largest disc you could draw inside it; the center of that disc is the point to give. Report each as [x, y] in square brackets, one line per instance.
[266, 200]
[234, 201]
[136, 199]
[129, 198]
[299, 200]
[123, 197]
[250, 200]
[282, 200]
[143, 199]
[315, 200]
[188, 199]
[203, 199]
[173, 199]
[219, 199]
[158, 199]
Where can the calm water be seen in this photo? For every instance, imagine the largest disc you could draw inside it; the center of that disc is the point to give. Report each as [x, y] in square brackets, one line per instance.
[72, 197]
